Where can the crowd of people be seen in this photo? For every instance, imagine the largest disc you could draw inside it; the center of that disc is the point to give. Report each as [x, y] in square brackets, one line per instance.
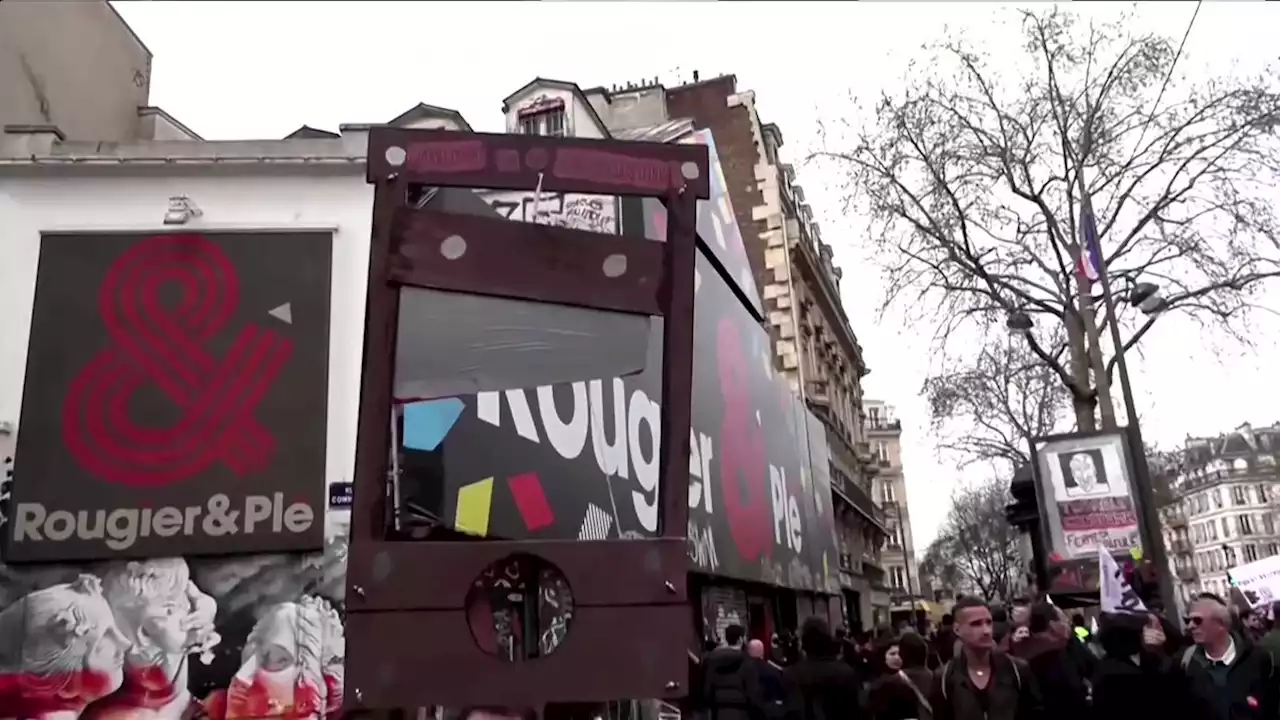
[1027, 662]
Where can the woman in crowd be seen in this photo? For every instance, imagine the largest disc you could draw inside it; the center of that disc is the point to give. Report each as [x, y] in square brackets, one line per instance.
[893, 694]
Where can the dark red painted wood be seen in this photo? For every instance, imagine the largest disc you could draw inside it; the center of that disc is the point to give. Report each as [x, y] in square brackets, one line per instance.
[409, 644]
[515, 162]
[610, 653]
[387, 576]
[571, 267]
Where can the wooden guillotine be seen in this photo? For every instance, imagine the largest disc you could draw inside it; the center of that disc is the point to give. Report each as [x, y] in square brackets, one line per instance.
[408, 639]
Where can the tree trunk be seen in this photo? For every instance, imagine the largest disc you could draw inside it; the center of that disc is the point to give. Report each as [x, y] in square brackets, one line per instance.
[1081, 403]
[1085, 297]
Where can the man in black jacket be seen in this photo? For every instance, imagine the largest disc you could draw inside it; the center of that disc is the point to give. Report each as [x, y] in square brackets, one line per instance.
[731, 681]
[1228, 678]
[821, 686]
[1047, 650]
[980, 682]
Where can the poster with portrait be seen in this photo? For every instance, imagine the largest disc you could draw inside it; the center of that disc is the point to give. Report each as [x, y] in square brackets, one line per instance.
[1086, 494]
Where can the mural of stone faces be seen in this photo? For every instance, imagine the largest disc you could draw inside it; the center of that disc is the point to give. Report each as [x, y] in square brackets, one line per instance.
[291, 665]
[60, 649]
[165, 617]
[159, 607]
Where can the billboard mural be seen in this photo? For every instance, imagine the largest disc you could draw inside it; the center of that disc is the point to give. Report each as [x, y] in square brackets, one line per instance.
[718, 231]
[168, 375]
[579, 460]
[175, 397]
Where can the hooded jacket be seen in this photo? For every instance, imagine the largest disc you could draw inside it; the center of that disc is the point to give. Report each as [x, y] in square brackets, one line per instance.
[731, 685]
[1058, 675]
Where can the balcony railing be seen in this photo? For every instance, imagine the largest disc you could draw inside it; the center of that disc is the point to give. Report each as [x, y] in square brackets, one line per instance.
[884, 425]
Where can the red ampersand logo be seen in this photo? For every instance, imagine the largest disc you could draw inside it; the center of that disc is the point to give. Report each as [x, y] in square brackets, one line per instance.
[742, 458]
[162, 344]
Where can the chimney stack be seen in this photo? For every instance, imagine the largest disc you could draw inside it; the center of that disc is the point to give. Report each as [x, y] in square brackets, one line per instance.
[695, 76]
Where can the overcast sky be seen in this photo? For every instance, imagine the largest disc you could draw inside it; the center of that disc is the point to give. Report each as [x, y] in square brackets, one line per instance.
[261, 69]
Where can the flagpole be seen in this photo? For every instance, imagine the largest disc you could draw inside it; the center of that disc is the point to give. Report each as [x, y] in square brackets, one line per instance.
[1143, 491]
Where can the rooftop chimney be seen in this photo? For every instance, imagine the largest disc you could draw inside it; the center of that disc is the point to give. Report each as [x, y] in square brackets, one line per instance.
[695, 76]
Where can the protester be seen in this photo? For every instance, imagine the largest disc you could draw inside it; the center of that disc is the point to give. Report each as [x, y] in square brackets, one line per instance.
[891, 695]
[1228, 677]
[981, 683]
[945, 639]
[1271, 640]
[1047, 649]
[1134, 679]
[773, 690]
[730, 681]
[915, 657]
[1255, 623]
[820, 686]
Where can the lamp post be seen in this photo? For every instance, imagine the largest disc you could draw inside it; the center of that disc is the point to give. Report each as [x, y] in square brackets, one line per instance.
[1146, 297]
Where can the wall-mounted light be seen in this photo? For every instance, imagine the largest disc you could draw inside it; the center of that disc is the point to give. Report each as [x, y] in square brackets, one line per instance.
[181, 210]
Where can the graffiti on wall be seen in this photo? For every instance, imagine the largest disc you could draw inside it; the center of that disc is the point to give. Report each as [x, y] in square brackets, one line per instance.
[594, 213]
[192, 371]
[702, 546]
[170, 638]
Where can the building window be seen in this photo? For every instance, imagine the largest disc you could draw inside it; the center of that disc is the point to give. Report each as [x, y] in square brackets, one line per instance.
[1217, 498]
[555, 123]
[1238, 497]
[1246, 524]
[1262, 494]
[888, 492]
[882, 451]
[1226, 529]
[550, 123]
[1268, 524]
[898, 577]
[1250, 552]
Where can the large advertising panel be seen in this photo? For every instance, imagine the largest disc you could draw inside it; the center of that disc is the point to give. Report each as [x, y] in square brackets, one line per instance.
[580, 460]
[168, 376]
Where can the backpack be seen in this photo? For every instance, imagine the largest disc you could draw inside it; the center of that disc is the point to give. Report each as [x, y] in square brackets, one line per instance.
[946, 676]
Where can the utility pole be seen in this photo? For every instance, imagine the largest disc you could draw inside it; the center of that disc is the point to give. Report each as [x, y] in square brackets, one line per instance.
[1142, 491]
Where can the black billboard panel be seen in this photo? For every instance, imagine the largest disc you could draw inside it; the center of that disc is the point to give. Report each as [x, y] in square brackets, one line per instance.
[579, 460]
[175, 397]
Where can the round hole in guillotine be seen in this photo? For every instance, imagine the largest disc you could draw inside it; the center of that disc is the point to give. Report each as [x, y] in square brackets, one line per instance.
[520, 608]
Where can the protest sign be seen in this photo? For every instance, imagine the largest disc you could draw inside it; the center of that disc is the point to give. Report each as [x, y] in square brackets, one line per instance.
[1115, 592]
[1258, 581]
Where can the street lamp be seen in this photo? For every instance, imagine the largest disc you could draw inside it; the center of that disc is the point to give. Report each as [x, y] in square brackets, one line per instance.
[1146, 297]
[1018, 323]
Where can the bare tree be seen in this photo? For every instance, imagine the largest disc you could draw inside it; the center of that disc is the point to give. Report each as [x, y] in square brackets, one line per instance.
[974, 179]
[991, 406]
[976, 544]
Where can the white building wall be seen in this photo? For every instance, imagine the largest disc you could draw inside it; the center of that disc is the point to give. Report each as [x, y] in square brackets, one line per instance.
[1207, 509]
[119, 199]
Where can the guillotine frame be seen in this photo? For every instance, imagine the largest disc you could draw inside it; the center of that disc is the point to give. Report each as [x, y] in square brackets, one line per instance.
[408, 642]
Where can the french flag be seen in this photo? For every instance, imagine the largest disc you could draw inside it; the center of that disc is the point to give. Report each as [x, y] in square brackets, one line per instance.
[1090, 253]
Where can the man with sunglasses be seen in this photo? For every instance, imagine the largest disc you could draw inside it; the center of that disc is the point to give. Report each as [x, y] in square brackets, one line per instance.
[1228, 677]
